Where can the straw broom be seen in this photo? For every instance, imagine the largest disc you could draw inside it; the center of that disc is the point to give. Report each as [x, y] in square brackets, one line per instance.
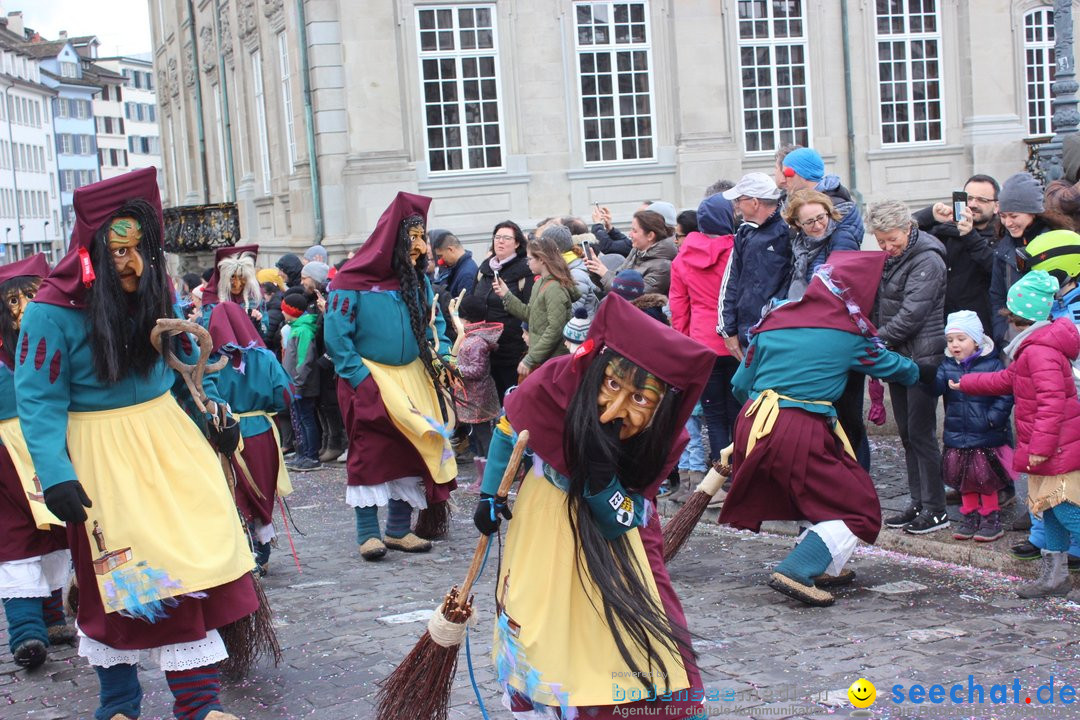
[419, 688]
[678, 529]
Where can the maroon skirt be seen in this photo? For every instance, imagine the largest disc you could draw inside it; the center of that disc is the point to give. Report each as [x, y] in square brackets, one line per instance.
[20, 537]
[378, 451]
[799, 471]
[260, 454]
[188, 621]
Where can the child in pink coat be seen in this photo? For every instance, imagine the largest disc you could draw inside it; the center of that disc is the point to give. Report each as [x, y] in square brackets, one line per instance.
[1047, 419]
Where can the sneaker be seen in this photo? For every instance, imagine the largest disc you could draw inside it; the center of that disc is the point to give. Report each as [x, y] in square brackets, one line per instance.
[927, 522]
[1025, 551]
[343, 456]
[303, 464]
[968, 527]
[990, 527]
[330, 454]
[902, 519]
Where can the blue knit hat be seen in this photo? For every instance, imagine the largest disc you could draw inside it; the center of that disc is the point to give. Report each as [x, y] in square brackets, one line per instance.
[806, 163]
[630, 284]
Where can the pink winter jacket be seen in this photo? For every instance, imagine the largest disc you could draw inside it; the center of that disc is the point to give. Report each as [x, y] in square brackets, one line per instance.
[1047, 412]
[696, 274]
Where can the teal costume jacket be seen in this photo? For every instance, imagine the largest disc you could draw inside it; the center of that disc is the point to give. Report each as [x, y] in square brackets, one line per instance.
[54, 373]
[374, 325]
[7, 393]
[812, 364]
[262, 386]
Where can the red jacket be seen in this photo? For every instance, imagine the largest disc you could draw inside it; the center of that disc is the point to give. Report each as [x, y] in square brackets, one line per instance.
[696, 274]
[1040, 379]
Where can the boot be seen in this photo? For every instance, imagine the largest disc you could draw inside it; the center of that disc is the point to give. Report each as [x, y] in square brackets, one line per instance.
[696, 476]
[683, 491]
[1054, 580]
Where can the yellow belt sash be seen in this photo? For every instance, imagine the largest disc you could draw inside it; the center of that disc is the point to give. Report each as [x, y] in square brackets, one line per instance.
[284, 483]
[766, 408]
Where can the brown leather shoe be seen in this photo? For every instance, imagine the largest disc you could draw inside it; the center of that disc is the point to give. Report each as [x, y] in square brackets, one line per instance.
[372, 549]
[410, 543]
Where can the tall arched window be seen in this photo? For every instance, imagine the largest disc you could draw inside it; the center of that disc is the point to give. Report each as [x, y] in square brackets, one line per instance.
[1039, 69]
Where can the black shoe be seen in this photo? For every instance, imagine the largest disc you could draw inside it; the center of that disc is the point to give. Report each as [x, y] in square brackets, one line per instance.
[1025, 551]
[30, 654]
[904, 518]
[927, 522]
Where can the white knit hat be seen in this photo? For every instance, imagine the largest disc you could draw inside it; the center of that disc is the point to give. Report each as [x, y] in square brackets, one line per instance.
[968, 323]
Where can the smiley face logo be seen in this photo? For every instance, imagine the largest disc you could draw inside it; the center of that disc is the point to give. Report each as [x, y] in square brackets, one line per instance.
[862, 693]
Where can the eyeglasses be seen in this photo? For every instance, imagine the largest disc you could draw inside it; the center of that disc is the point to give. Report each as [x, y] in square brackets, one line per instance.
[981, 200]
[814, 221]
[505, 238]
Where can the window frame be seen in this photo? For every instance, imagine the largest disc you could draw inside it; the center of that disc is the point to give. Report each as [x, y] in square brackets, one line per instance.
[772, 43]
[255, 56]
[907, 37]
[286, 99]
[1050, 66]
[458, 54]
[613, 48]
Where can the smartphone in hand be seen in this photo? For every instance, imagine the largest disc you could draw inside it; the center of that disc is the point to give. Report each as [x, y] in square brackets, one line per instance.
[587, 247]
[959, 202]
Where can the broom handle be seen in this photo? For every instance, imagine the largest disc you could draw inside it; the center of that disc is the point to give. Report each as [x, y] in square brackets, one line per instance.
[504, 488]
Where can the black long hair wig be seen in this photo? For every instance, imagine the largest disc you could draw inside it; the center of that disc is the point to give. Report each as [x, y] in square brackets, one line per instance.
[635, 618]
[9, 333]
[409, 274]
[120, 323]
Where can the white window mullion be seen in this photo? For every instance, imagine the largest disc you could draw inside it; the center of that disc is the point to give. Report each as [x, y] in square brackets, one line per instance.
[1039, 68]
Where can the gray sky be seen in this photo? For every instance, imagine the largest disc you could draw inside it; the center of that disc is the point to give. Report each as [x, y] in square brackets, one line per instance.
[122, 26]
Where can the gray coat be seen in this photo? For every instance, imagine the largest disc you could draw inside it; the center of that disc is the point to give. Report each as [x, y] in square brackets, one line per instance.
[654, 265]
[911, 301]
[588, 300]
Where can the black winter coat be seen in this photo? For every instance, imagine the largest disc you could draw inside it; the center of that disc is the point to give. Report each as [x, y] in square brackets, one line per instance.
[973, 421]
[274, 320]
[910, 308]
[517, 276]
[969, 260]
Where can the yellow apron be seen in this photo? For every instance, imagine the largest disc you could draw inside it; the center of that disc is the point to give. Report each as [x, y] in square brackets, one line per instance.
[12, 437]
[551, 641]
[163, 523]
[284, 482]
[413, 407]
[766, 408]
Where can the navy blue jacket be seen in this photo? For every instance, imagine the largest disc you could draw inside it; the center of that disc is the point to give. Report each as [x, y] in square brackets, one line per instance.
[460, 277]
[973, 421]
[759, 271]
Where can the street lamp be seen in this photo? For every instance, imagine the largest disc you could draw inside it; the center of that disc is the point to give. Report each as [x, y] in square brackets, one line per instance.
[22, 250]
[45, 239]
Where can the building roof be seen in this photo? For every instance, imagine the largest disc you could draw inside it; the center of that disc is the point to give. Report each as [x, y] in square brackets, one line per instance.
[44, 49]
[93, 72]
[70, 80]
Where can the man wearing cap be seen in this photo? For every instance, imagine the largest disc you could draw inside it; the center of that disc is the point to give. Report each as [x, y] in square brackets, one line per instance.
[805, 170]
[760, 262]
[316, 253]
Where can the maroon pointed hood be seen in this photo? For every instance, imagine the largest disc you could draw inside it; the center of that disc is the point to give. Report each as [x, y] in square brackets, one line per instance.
[539, 404]
[370, 268]
[33, 266]
[94, 206]
[230, 325]
[857, 273]
[210, 293]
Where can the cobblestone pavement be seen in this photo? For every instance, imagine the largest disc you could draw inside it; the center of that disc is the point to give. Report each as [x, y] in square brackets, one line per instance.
[344, 624]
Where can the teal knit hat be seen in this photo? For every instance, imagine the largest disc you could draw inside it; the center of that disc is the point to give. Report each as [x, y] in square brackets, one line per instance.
[1031, 296]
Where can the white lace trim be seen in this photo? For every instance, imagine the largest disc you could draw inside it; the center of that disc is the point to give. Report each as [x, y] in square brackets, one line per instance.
[178, 656]
[35, 576]
[840, 541]
[409, 489]
[264, 533]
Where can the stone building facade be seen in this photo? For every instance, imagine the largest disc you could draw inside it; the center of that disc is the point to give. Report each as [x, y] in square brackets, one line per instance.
[528, 108]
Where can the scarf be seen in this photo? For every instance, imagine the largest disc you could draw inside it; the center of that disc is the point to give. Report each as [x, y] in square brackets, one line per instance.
[804, 249]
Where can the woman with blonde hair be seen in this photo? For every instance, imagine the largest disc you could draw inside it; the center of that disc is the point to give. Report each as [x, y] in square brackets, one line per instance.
[548, 309]
[814, 219]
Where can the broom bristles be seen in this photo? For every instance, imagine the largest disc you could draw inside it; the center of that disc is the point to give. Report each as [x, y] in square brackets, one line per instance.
[677, 530]
[433, 522]
[419, 689]
[249, 639]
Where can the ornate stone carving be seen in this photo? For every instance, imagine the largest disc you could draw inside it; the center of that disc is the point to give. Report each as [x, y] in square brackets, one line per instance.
[271, 6]
[174, 78]
[163, 90]
[245, 13]
[207, 47]
[226, 33]
[189, 65]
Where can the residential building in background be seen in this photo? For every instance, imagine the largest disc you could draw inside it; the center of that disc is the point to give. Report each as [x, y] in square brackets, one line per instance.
[139, 123]
[528, 108]
[29, 198]
[108, 110]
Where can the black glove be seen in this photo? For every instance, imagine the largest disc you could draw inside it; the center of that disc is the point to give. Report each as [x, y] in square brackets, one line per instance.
[486, 521]
[601, 468]
[223, 435]
[66, 501]
[927, 372]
